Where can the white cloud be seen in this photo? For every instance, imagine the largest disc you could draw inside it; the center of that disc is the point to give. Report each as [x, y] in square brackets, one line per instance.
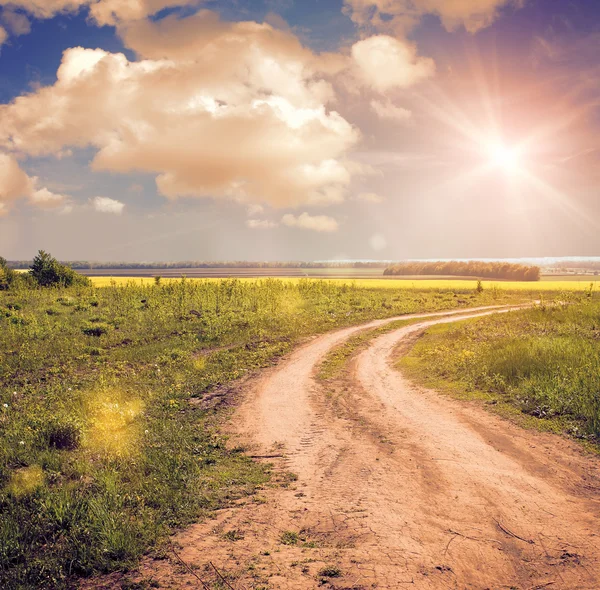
[106, 205]
[223, 110]
[370, 198]
[260, 224]
[321, 223]
[388, 110]
[3, 36]
[378, 242]
[399, 16]
[384, 62]
[46, 199]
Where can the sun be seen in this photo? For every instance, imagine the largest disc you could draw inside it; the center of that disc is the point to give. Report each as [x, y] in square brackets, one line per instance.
[506, 158]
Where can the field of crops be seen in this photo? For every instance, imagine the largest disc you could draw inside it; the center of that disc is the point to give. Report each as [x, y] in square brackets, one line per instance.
[543, 363]
[570, 284]
[110, 401]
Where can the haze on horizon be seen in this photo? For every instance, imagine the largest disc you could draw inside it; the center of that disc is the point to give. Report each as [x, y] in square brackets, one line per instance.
[299, 130]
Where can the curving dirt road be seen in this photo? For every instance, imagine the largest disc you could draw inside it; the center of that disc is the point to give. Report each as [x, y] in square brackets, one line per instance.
[400, 487]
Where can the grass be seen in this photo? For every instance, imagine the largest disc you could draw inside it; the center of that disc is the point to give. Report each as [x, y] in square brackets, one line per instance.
[548, 284]
[109, 435]
[336, 361]
[541, 364]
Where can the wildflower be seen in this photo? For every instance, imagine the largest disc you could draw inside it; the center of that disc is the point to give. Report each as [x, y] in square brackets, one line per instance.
[70, 389]
[6, 405]
[21, 442]
[146, 431]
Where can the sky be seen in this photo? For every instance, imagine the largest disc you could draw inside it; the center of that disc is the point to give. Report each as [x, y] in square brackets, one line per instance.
[165, 130]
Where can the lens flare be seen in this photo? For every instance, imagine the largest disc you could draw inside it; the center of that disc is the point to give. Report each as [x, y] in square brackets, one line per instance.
[504, 157]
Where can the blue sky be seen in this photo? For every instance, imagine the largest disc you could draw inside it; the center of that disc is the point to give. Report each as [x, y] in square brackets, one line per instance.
[280, 129]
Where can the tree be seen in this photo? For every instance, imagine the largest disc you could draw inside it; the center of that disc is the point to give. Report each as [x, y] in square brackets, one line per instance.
[48, 272]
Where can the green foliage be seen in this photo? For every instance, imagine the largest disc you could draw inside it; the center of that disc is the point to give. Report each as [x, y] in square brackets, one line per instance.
[108, 443]
[544, 361]
[471, 268]
[8, 276]
[48, 272]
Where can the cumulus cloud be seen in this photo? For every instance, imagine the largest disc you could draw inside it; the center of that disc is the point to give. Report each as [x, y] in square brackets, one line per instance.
[15, 184]
[388, 110]
[234, 110]
[260, 224]
[370, 198]
[106, 205]
[321, 223]
[399, 16]
[47, 199]
[384, 63]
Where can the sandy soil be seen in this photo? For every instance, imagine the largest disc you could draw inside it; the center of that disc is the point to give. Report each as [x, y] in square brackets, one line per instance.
[396, 486]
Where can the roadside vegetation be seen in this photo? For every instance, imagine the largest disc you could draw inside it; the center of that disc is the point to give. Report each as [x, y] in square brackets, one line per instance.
[472, 268]
[111, 400]
[542, 364]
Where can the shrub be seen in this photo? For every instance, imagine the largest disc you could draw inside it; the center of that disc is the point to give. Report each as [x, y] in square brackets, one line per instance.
[95, 330]
[48, 272]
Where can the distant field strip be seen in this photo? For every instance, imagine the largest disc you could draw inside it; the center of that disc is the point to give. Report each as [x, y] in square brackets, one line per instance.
[403, 283]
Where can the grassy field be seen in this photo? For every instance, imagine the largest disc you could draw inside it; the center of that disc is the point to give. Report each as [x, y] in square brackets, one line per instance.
[458, 285]
[111, 401]
[540, 365]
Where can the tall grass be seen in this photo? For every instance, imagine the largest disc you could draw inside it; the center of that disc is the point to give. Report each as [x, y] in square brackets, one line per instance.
[544, 361]
[108, 437]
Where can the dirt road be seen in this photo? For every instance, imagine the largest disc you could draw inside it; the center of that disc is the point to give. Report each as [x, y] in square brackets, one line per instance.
[398, 487]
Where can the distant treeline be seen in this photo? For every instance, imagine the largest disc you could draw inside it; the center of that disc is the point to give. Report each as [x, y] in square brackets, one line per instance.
[571, 265]
[85, 265]
[473, 268]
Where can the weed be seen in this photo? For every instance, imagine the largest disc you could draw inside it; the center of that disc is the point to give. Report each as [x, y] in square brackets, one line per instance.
[289, 538]
[330, 571]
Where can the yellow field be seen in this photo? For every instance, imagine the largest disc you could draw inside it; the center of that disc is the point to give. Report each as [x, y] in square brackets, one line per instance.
[457, 285]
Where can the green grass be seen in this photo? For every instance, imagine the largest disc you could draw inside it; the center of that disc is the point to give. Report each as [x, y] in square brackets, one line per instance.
[548, 284]
[109, 429]
[336, 361]
[542, 364]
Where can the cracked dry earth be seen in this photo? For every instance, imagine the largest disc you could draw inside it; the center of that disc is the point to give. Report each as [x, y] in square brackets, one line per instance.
[397, 486]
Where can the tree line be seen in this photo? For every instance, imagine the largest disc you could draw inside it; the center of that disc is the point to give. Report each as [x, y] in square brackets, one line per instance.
[44, 271]
[88, 265]
[473, 268]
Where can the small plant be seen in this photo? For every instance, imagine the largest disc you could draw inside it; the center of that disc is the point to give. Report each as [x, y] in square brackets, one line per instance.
[289, 538]
[95, 330]
[479, 288]
[234, 535]
[157, 280]
[330, 571]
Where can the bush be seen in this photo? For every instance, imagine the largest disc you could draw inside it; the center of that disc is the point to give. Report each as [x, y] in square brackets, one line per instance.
[95, 330]
[48, 272]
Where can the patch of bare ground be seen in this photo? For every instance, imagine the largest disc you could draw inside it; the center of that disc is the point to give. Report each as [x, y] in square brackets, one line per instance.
[381, 484]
